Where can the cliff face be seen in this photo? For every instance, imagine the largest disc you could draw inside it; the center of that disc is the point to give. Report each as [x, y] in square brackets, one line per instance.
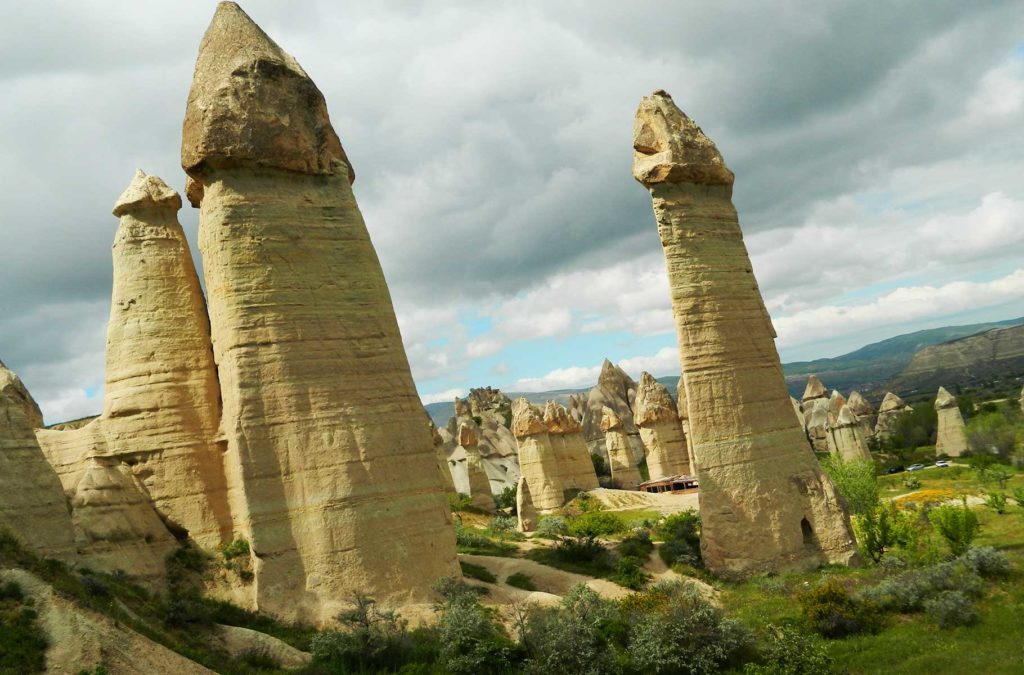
[332, 471]
[995, 353]
[765, 502]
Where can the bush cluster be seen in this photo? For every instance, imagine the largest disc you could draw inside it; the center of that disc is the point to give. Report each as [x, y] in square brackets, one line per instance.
[944, 591]
[830, 610]
[22, 641]
[681, 536]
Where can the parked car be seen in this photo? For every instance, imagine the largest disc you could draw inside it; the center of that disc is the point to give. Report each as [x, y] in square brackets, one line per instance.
[894, 469]
[915, 467]
[942, 464]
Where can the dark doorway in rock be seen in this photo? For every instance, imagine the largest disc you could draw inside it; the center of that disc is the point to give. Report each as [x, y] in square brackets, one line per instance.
[808, 532]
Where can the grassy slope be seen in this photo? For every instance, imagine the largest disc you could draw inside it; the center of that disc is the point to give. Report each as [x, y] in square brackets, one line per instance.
[912, 644]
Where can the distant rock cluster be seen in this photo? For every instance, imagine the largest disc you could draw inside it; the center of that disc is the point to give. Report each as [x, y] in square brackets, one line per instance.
[845, 426]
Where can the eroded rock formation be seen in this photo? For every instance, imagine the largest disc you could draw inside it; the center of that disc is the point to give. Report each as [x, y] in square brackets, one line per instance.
[332, 470]
[815, 406]
[846, 437]
[575, 468]
[616, 390]
[621, 461]
[865, 413]
[161, 397]
[950, 435]
[32, 503]
[892, 407]
[526, 513]
[479, 484]
[765, 502]
[657, 418]
[441, 455]
[537, 459]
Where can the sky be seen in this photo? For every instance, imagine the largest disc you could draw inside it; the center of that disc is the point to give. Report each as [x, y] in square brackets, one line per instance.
[879, 161]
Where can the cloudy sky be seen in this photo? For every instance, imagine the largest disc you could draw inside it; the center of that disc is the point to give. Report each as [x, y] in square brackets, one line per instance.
[879, 158]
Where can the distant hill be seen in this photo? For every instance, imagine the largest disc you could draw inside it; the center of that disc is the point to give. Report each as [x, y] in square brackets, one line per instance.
[872, 369]
[988, 360]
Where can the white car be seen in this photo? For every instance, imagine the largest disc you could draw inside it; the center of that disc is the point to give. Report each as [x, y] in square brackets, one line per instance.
[915, 467]
[942, 464]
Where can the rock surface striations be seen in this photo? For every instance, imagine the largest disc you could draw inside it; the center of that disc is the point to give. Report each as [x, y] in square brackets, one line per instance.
[765, 502]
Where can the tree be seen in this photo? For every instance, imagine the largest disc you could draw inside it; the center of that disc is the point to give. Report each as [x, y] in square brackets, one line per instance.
[958, 525]
[856, 481]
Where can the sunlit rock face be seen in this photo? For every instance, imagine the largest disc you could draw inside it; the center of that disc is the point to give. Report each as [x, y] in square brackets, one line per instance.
[846, 436]
[661, 429]
[892, 407]
[615, 389]
[816, 404]
[331, 470]
[575, 468]
[32, 502]
[151, 463]
[621, 462]
[951, 434]
[765, 502]
[537, 459]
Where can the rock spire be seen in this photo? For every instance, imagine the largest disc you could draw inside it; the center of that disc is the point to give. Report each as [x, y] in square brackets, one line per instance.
[620, 456]
[950, 435]
[660, 429]
[161, 409]
[892, 407]
[765, 502]
[32, 502]
[537, 459]
[846, 437]
[576, 469]
[322, 424]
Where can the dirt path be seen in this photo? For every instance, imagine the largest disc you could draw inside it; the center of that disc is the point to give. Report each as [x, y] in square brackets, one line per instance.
[631, 500]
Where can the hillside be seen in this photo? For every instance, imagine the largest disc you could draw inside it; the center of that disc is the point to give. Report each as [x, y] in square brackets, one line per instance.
[985, 360]
[873, 367]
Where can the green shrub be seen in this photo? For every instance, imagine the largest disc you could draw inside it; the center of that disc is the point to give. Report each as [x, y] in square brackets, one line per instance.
[788, 651]
[577, 636]
[949, 609]
[459, 501]
[910, 591]
[987, 562]
[997, 501]
[991, 433]
[474, 542]
[478, 572]
[520, 580]
[831, 611]
[877, 530]
[22, 640]
[369, 640]
[506, 501]
[470, 640]
[629, 573]
[681, 536]
[1018, 496]
[552, 527]
[594, 524]
[502, 526]
[637, 545]
[680, 632]
[912, 483]
[958, 525]
[237, 547]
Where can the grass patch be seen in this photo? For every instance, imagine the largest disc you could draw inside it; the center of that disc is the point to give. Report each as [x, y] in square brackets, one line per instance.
[472, 541]
[478, 572]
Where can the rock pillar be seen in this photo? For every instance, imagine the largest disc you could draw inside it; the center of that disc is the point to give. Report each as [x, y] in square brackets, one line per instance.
[32, 502]
[815, 405]
[950, 436]
[322, 423]
[537, 460]
[846, 437]
[566, 435]
[479, 485]
[892, 407]
[620, 455]
[660, 429]
[765, 502]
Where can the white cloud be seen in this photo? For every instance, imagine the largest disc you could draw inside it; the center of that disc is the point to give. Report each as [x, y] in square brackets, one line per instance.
[898, 308]
[71, 404]
[664, 362]
[446, 395]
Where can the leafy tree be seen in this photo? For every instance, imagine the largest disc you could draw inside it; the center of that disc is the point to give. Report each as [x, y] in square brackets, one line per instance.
[958, 525]
[992, 433]
[856, 481]
[470, 640]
